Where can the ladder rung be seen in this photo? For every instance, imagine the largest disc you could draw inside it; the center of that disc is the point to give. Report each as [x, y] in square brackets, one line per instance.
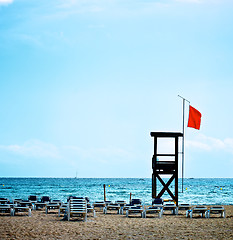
[166, 155]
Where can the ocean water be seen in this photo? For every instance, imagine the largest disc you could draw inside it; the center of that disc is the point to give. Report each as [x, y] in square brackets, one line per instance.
[195, 191]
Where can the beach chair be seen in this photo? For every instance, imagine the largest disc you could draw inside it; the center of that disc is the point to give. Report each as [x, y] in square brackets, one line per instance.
[90, 209]
[62, 209]
[32, 198]
[6, 208]
[125, 207]
[170, 207]
[199, 209]
[184, 206]
[23, 206]
[77, 207]
[17, 201]
[113, 206]
[25, 203]
[42, 203]
[153, 210]
[107, 202]
[4, 200]
[54, 204]
[157, 201]
[122, 203]
[99, 205]
[135, 210]
[136, 202]
[133, 202]
[217, 210]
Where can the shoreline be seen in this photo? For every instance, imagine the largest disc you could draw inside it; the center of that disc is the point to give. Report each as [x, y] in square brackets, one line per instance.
[114, 226]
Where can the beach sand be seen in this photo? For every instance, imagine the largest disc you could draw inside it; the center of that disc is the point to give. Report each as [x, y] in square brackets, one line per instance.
[113, 226]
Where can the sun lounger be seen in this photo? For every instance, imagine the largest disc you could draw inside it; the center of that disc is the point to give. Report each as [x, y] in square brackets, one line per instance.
[6, 208]
[25, 203]
[107, 202]
[199, 209]
[54, 204]
[135, 210]
[125, 207]
[91, 209]
[184, 206]
[136, 202]
[22, 208]
[77, 207]
[32, 198]
[42, 203]
[62, 209]
[153, 210]
[4, 200]
[99, 204]
[157, 201]
[113, 206]
[217, 210]
[122, 203]
[17, 201]
[170, 207]
[133, 202]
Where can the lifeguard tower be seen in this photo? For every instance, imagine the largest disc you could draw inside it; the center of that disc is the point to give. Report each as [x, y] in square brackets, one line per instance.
[165, 167]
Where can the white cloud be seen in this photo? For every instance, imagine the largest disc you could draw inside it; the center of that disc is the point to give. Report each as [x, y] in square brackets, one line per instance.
[34, 149]
[210, 144]
[5, 2]
[84, 5]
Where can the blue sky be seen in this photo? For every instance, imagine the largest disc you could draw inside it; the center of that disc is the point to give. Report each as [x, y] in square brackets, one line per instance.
[83, 83]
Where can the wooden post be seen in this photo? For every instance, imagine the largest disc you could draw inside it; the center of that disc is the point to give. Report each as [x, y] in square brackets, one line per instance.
[104, 192]
[130, 197]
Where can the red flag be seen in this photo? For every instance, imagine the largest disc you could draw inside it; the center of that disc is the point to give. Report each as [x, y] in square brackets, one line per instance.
[194, 118]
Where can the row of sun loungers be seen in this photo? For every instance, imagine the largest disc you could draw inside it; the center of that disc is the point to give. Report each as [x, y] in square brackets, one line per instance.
[12, 210]
[79, 206]
[205, 212]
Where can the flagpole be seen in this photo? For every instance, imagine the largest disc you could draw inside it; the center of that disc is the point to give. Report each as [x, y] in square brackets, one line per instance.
[183, 142]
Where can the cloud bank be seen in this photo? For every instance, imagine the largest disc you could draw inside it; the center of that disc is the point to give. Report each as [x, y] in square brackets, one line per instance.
[211, 144]
[6, 2]
[33, 149]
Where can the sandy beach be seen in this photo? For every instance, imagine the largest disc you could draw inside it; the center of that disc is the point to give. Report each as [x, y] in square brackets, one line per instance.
[113, 226]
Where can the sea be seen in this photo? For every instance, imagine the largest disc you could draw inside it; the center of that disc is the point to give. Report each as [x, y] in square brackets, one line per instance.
[195, 190]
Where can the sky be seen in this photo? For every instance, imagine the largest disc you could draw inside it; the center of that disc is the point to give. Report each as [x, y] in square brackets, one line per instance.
[84, 82]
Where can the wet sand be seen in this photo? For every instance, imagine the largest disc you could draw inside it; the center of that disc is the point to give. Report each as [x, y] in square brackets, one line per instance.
[113, 226]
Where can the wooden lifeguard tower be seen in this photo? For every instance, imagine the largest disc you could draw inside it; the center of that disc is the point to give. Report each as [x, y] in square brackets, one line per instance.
[161, 167]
